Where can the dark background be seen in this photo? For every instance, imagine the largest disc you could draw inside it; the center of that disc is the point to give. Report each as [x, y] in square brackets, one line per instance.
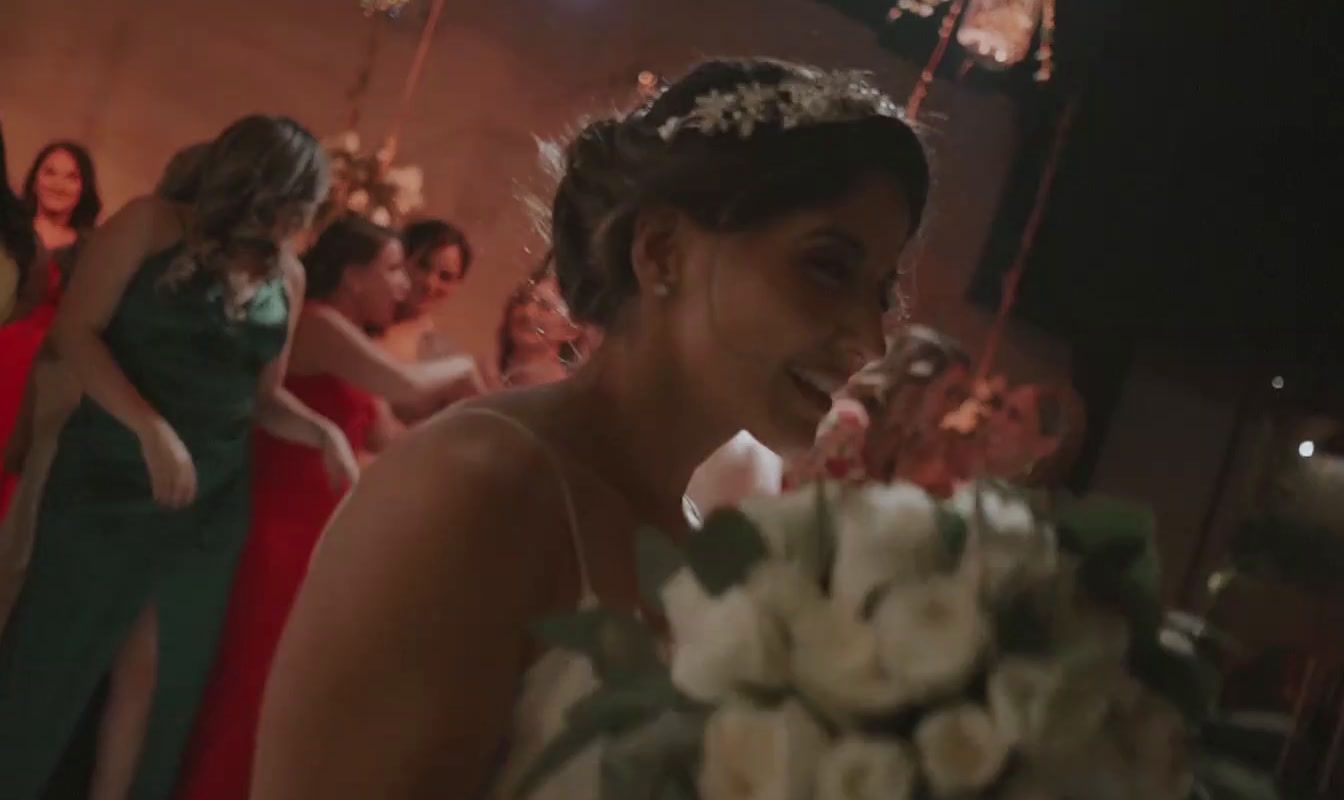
[1195, 208]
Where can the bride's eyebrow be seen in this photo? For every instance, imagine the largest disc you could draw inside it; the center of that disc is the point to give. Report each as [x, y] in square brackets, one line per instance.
[831, 235]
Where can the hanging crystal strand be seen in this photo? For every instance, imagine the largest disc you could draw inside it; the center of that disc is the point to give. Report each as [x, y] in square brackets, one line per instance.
[920, 8]
[921, 89]
[1046, 53]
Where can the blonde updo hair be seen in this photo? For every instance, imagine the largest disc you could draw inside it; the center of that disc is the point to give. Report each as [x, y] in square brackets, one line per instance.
[255, 185]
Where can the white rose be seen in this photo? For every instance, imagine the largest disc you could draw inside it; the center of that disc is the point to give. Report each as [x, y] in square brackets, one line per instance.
[1045, 706]
[1155, 733]
[960, 750]
[866, 769]
[760, 754]
[1103, 635]
[835, 664]
[788, 523]
[740, 638]
[930, 635]
[1014, 547]
[885, 534]
[1092, 768]
[1005, 515]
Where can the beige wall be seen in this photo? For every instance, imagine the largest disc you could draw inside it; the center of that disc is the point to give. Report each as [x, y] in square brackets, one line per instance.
[137, 79]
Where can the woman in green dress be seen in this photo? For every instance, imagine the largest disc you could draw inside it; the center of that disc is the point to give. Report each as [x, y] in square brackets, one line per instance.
[178, 336]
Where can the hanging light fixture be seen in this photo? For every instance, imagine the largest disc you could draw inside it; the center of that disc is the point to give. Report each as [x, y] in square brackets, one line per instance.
[998, 33]
[919, 8]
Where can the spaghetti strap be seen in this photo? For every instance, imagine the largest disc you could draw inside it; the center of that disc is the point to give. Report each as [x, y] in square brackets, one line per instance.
[571, 514]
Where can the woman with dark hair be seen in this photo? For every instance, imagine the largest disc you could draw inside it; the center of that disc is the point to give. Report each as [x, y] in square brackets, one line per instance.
[438, 258]
[50, 395]
[18, 249]
[177, 324]
[27, 305]
[356, 277]
[538, 342]
[61, 192]
[738, 239]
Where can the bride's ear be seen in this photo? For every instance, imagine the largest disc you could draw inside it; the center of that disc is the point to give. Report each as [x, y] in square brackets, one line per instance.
[656, 251]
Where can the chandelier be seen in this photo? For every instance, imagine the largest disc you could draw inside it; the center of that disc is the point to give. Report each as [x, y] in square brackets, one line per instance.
[996, 34]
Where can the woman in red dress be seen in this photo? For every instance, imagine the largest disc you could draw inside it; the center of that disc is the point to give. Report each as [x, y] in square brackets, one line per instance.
[355, 280]
[41, 232]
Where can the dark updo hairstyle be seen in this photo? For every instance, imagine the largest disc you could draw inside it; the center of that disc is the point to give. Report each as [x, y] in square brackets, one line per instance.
[89, 206]
[723, 181]
[16, 224]
[349, 241]
[424, 238]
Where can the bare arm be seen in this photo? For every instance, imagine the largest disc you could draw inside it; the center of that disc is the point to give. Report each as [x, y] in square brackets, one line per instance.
[394, 680]
[386, 427]
[111, 258]
[279, 412]
[329, 343]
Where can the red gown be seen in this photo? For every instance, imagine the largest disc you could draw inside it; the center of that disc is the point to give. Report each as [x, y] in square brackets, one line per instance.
[19, 342]
[292, 500]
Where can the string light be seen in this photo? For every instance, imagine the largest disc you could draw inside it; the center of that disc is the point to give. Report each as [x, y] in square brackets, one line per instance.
[1307, 449]
[1278, 382]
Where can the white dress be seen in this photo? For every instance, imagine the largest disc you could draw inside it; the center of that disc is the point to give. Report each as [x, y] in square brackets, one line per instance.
[558, 679]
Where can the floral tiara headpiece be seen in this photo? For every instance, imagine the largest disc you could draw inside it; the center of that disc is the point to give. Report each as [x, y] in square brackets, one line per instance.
[843, 96]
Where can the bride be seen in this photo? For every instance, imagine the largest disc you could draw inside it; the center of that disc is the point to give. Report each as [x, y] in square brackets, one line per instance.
[737, 239]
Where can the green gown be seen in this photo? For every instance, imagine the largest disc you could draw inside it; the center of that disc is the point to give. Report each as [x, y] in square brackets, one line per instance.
[104, 549]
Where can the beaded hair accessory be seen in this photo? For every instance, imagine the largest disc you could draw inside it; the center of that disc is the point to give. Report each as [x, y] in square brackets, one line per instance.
[840, 96]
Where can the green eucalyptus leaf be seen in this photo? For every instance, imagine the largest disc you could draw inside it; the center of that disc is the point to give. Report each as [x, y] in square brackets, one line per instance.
[643, 762]
[657, 559]
[953, 530]
[616, 644]
[722, 553]
[1099, 524]
[610, 710]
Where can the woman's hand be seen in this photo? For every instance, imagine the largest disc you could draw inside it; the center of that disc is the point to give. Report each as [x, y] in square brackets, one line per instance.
[172, 475]
[339, 458]
[463, 376]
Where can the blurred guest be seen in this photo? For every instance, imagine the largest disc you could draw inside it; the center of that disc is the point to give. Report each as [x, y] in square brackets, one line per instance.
[356, 279]
[538, 342]
[50, 394]
[177, 326]
[61, 191]
[438, 258]
[27, 304]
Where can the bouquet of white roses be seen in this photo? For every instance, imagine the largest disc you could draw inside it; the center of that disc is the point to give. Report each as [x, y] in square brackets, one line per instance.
[875, 643]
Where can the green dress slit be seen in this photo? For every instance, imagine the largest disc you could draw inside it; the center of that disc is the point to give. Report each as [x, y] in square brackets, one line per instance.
[103, 549]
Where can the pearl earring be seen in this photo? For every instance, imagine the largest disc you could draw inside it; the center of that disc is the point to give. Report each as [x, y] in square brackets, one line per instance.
[662, 290]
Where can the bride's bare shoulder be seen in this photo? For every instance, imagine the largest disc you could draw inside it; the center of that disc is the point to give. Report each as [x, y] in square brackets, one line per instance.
[466, 469]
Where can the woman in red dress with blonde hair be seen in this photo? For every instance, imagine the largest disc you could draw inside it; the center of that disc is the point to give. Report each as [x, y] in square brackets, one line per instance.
[356, 278]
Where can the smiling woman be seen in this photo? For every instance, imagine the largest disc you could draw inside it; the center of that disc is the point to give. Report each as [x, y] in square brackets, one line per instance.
[735, 239]
[61, 191]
